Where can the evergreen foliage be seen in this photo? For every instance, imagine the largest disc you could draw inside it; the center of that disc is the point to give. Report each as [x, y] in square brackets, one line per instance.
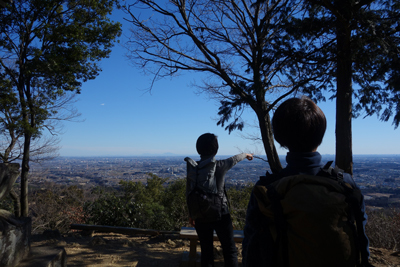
[174, 202]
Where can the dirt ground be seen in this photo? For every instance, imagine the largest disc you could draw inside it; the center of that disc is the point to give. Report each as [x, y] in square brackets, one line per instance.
[118, 250]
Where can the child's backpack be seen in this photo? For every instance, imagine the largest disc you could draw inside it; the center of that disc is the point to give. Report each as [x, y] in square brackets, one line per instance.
[314, 220]
[203, 199]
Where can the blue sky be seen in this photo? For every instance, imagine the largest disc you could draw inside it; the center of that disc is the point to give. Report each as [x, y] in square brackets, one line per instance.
[121, 118]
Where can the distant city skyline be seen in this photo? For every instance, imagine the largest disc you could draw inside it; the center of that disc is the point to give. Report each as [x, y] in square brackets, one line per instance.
[121, 118]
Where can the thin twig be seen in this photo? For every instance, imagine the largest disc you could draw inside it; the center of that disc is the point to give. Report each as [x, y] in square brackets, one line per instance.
[256, 157]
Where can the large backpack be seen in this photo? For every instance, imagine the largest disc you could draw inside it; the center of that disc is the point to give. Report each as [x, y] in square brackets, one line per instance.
[314, 220]
[203, 199]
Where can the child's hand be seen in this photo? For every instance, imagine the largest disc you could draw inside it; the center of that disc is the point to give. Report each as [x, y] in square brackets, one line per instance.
[249, 156]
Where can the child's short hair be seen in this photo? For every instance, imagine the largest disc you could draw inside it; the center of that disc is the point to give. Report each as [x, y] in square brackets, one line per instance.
[207, 144]
[299, 125]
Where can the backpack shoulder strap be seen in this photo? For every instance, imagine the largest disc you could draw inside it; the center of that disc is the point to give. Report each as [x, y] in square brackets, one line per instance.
[191, 175]
[191, 161]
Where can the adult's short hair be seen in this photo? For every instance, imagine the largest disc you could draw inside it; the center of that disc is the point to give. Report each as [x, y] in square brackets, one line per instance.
[299, 125]
[207, 144]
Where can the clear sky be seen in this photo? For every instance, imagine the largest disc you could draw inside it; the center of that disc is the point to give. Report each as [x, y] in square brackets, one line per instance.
[121, 118]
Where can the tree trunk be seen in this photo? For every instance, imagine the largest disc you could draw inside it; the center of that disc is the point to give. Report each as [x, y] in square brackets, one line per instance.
[344, 152]
[268, 141]
[24, 176]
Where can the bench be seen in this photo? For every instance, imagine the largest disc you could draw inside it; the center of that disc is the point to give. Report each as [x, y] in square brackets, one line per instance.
[190, 233]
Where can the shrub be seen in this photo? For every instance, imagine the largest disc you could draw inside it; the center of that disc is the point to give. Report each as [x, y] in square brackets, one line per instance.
[56, 207]
[383, 227]
[110, 208]
[150, 206]
[174, 201]
[155, 205]
[239, 199]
